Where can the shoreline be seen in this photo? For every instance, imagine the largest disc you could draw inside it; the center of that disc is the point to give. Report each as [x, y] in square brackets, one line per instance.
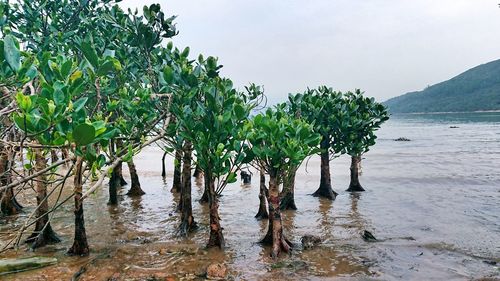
[446, 112]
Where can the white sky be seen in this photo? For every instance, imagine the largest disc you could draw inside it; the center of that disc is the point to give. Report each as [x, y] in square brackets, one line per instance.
[384, 47]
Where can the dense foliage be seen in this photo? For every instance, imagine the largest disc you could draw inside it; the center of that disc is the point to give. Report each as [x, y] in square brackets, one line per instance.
[88, 85]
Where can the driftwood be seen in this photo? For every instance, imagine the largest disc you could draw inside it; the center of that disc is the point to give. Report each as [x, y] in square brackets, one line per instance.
[17, 265]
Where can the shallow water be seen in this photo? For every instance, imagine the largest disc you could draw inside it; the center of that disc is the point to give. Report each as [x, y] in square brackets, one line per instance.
[433, 203]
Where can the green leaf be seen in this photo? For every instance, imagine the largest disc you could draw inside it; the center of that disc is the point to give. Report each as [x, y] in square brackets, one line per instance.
[90, 54]
[59, 97]
[168, 74]
[11, 53]
[239, 111]
[77, 74]
[80, 103]
[101, 160]
[105, 68]
[84, 134]
[185, 53]
[66, 68]
[23, 101]
[231, 178]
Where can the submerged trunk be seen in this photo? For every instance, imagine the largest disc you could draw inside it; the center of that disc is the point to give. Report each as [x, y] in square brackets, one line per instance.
[187, 220]
[325, 186]
[135, 189]
[43, 233]
[176, 186]
[163, 170]
[80, 245]
[275, 235]
[114, 184]
[287, 201]
[216, 238]
[262, 213]
[355, 185]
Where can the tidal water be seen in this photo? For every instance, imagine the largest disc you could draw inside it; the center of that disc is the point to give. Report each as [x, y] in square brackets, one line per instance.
[433, 203]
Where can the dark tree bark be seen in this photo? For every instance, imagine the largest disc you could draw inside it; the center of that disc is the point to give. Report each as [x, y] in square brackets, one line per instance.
[325, 187]
[163, 170]
[119, 168]
[53, 156]
[204, 196]
[262, 213]
[122, 181]
[135, 189]
[287, 201]
[185, 172]
[275, 235]
[355, 186]
[216, 238]
[64, 153]
[197, 172]
[43, 233]
[187, 220]
[114, 184]
[80, 245]
[176, 186]
[8, 203]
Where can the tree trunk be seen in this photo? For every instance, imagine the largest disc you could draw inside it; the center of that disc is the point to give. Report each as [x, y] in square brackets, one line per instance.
[216, 238]
[275, 235]
[187, 220]
[325, 187]
[8, 202]
[262, 213]
[53, 156]
[197, 172]
[163, 170]
[80, 245]
[176, 186]
[64, 155]
[122, 181]
[355, 186]
[43, 233]
[185, 172]
[204, 196]
[135, 189]
[119, 169]
[287, 201]
[114, 183]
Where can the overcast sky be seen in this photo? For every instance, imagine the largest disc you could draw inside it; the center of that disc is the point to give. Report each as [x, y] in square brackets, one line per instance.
[384, 47]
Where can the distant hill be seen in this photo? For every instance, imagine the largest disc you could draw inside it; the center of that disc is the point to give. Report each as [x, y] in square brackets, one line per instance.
[474, 90]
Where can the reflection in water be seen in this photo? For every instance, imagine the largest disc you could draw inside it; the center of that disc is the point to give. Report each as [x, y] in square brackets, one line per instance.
[358, 221]
[136, 203]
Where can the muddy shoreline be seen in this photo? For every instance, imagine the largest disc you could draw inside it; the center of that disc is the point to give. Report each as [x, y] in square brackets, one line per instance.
[434, 220]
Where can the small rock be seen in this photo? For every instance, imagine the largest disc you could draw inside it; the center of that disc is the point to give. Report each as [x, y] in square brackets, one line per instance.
[310, 241]
[368, 236]
[454, 127]
[216, 271]
[402, 139]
